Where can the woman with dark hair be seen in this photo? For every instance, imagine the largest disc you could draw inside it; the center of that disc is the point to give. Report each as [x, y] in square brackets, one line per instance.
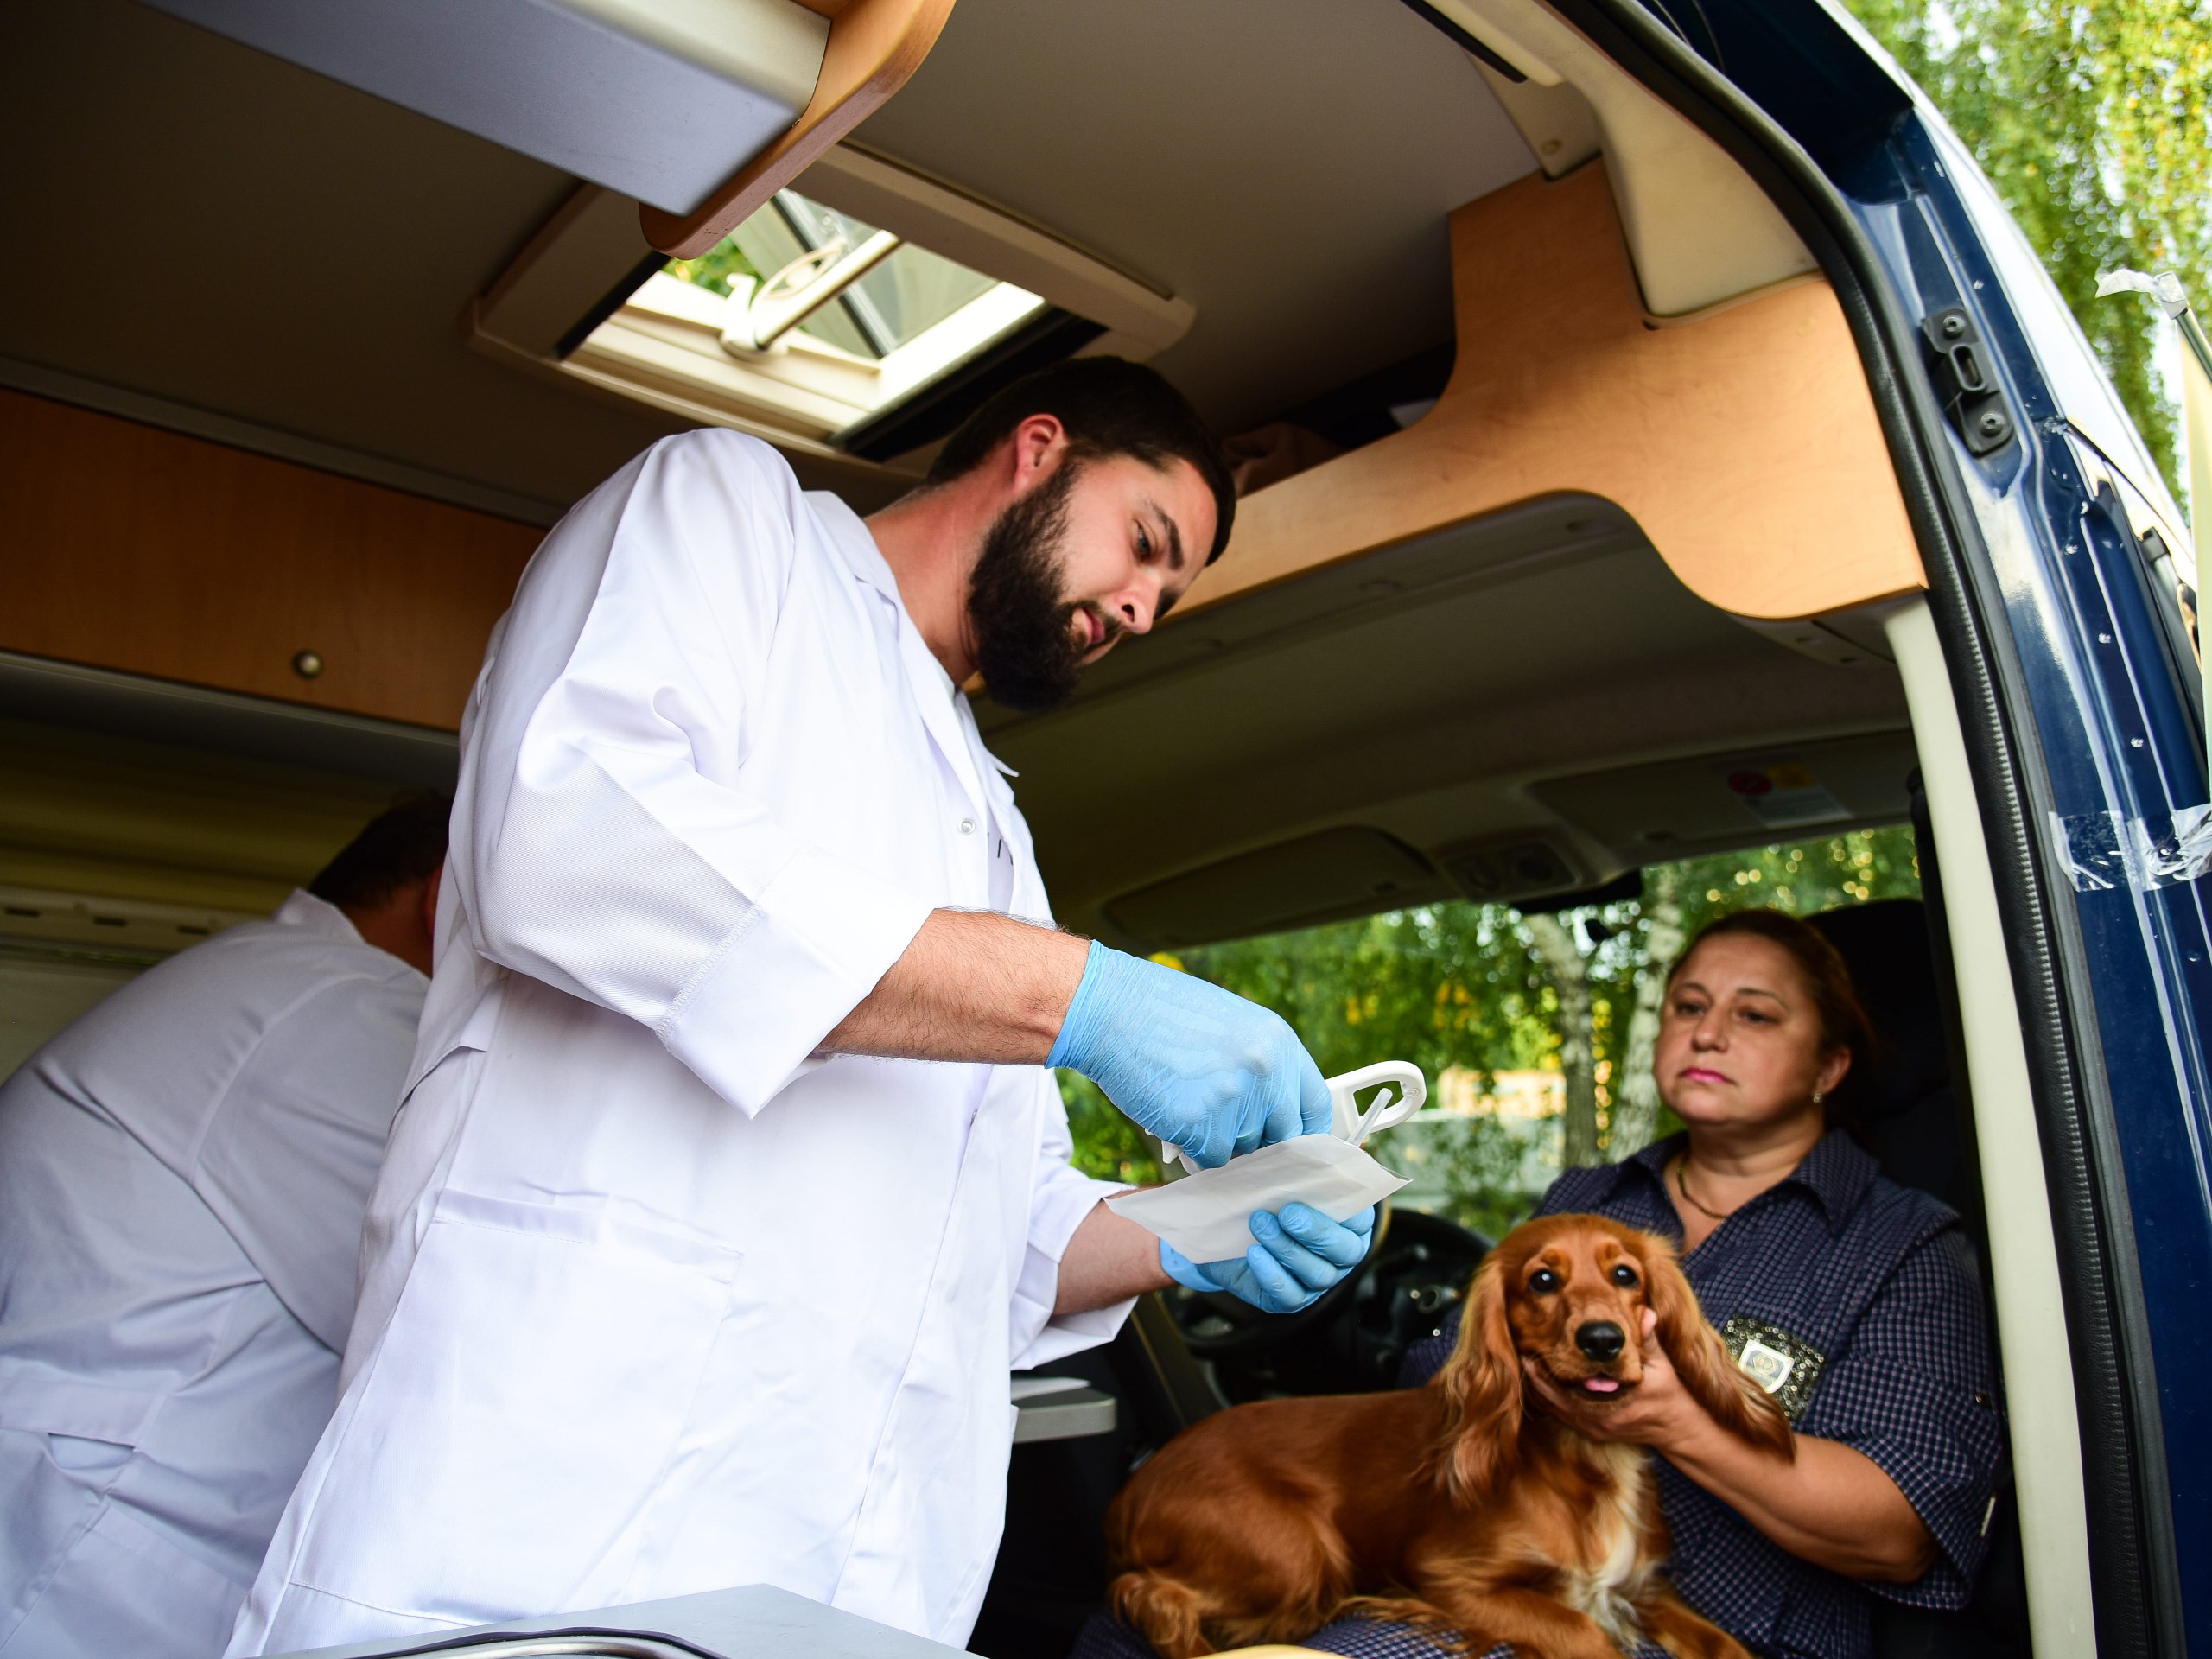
[1853, 1299]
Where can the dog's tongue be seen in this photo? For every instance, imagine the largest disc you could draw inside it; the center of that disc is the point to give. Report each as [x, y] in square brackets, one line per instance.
[1601, 1385]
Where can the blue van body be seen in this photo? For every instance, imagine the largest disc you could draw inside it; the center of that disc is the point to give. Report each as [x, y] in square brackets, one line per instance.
[2092, 759]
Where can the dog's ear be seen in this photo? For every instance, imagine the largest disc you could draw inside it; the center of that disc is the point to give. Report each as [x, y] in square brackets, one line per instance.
[1701, 1359]
[1481, 1391]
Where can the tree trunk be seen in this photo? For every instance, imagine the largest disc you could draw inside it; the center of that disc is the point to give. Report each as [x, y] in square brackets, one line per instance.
[1578, 1059]
[1636, 1092]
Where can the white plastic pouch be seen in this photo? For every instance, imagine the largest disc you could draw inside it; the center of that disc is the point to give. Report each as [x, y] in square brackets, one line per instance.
[1206, 1216]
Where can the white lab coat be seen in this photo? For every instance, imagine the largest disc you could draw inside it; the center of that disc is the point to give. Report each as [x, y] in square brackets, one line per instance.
[182, 1176]
[653, 1302]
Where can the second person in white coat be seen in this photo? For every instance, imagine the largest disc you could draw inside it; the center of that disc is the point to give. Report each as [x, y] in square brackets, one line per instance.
[183, 1175]
[732, 1181]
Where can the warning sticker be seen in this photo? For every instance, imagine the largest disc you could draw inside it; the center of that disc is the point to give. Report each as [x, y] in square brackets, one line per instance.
[1783, 794]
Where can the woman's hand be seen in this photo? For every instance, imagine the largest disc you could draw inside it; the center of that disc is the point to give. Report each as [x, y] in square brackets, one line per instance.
[1832, 1506]
[1657, 1412]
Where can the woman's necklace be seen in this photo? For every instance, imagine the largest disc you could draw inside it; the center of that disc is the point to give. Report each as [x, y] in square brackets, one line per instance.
[1682, 1186]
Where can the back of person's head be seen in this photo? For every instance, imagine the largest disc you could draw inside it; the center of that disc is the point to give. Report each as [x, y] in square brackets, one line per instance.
[1108, 407]
[1836, 1000]
[397, 849]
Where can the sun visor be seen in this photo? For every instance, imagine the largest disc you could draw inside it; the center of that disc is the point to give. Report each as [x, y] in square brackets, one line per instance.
[1350, 871]
[1713, 803]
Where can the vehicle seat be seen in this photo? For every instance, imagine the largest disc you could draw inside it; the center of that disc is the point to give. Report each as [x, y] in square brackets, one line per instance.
[1913, 1118]
[1916, 1128]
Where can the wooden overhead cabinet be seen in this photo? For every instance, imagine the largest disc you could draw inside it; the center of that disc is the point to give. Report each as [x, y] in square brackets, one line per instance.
[142, 551]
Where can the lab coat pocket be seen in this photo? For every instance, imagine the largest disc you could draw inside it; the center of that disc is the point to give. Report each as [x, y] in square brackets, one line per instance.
[125, 1589]
[520, 1413]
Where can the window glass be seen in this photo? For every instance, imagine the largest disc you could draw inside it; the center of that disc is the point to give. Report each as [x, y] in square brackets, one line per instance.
[909, 293]
[915, 289]
[717, 269]
[1526, 1025]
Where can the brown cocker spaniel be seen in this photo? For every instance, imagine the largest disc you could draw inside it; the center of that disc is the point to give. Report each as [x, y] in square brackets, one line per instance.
[1457, 1507]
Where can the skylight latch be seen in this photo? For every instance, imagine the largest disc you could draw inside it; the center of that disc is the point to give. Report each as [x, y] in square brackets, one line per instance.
[801, 288]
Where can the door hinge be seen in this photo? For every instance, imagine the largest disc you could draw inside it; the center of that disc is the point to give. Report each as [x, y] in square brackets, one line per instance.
[1959, 363]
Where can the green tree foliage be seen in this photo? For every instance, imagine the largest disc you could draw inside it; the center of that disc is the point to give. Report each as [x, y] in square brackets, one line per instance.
[1468, 987]
[1107, 1145]
[1448, 985]
[1482, 1164]
[715, 269]
[2094, 120]
[1803, 877]
[1451, 986]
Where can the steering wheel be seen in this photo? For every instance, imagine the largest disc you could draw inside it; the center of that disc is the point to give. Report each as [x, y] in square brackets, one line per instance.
[1355, 1334]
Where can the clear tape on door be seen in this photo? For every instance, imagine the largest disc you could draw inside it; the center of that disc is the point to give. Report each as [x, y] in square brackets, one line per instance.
[2106, 851]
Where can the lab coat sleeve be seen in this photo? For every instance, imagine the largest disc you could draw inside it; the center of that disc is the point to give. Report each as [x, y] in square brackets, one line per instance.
[292, 1149]
[1060, 1197]
[613, 857]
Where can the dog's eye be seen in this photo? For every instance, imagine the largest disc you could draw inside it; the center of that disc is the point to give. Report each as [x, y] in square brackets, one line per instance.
[1624, 1276]
[1543, 1282]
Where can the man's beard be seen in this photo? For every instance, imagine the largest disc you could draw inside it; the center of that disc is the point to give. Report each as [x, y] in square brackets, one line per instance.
[1029, 654]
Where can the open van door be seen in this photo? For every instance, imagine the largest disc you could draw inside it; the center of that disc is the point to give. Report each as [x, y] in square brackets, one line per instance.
[2058, 703]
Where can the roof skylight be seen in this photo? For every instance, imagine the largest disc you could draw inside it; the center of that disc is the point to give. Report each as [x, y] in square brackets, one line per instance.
[900, 296]
[805, 322]
[865, 318]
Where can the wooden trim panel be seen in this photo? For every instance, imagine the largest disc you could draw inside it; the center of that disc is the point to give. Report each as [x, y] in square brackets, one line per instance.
[875, 47]
[1744, 443]
[134, 548]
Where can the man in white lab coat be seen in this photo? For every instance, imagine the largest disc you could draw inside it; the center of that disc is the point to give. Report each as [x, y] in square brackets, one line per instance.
[732, 1181]
[182, 1176]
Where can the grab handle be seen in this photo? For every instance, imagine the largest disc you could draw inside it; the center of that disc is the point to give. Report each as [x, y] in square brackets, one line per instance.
[1387, 1110]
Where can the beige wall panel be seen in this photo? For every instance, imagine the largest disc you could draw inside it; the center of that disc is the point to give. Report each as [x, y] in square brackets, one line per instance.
[1744, 443]
[135, 548]
[89, 812]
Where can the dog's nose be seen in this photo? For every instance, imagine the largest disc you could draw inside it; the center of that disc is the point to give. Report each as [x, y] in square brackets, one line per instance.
[1601, 1339]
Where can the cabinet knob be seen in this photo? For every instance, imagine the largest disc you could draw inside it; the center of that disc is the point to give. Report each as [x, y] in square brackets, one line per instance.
[308, 663]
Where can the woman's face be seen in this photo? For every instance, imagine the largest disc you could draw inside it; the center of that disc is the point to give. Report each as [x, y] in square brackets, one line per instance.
[1739, 1041]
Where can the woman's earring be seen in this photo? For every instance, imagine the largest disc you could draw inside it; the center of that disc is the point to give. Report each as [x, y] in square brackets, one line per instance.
[1818, 1096]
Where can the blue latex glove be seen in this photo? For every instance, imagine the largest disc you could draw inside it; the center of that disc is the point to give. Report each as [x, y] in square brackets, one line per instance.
[1299, 1256]
[1199, 1066]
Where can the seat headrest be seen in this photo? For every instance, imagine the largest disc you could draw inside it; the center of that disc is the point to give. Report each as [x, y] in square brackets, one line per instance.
[1885, 946]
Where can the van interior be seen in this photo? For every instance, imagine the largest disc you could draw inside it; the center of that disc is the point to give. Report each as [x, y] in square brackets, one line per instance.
[1568, 513]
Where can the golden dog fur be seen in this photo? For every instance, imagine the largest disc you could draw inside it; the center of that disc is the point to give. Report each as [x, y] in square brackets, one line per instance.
[1464, 1507]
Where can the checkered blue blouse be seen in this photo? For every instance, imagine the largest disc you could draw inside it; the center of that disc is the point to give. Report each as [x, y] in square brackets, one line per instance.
[1866, 1291]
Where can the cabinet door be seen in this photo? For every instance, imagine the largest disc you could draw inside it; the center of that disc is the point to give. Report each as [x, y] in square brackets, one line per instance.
[131, 547]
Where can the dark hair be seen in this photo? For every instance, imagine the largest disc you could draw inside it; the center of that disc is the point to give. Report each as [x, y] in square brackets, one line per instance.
[1836, 1000]
[1109, 407]
[401, 846]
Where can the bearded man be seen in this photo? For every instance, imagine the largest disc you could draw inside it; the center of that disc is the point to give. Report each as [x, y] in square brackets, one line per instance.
[732, 1180]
